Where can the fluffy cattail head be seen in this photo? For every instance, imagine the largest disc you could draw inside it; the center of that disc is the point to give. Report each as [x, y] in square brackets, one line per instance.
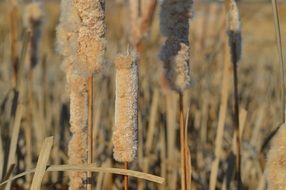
[90, 42]
[276, 163]
[176, 58]
[234, 31]
[77, 149]
[67, 30]
[175, 53]
[81, 34]
[126, 118]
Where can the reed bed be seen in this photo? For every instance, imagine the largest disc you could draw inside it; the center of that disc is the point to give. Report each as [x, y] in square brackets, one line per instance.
[26, 120]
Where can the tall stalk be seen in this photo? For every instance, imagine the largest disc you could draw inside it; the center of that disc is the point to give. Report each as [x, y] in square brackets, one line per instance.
[234, 37]
[175, 55]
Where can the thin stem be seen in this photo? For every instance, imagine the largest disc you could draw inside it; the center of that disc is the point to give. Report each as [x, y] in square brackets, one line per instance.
[182, 143]
[90, 130]
[236, 113]
[126, 176]
[280, 51]
[14, 51]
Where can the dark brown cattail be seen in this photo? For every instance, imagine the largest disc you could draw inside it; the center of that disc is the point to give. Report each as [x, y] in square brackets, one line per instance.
[175, 53]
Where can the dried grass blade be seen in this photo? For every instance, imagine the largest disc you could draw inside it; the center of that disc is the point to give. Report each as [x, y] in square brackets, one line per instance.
[42, 163]
[93, 168]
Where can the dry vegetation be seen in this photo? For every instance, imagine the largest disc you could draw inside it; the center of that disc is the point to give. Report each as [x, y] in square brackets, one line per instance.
[34, 102]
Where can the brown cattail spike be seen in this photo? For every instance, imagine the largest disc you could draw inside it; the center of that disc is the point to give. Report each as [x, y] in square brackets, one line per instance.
[80, 39]
[125, 130]
[276, 163]
[77, 149]
[175, 53]
[90, 42]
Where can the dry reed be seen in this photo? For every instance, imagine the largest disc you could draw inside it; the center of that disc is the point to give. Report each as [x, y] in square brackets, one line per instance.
[141, 17]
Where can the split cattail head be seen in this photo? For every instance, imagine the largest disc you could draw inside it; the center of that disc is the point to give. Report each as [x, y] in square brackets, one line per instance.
[77, 149]
[276, 163]
[175, 53]
[81, 34]
[176, 58]
[91, 42]
[234, 30]
[126, 108]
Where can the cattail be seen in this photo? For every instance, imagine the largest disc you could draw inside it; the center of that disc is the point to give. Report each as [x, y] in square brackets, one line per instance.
[175, 53]
[234, 39]
[91, 41]
[80, 39]
[33, 16]
[276, 163]
[77, 149]
[125, 130]
[234, 32]
[81, 34]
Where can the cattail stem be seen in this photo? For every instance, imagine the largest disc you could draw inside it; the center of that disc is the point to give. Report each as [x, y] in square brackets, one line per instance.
[126, 176]
[14, 50]
[236, 118]
[90, 129]
[182, 144]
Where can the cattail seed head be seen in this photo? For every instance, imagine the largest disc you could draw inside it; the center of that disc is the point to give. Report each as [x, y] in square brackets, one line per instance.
[276, 163]
[176, 58]
[175, 53]
[234, 31]
[67, 30]
[126, 116]
[81, 34]
[233, 16]
[80, 39]
[90, 42]
[77, 149]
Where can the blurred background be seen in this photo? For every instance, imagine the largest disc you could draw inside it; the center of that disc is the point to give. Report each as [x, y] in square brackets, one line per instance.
[45, 103]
